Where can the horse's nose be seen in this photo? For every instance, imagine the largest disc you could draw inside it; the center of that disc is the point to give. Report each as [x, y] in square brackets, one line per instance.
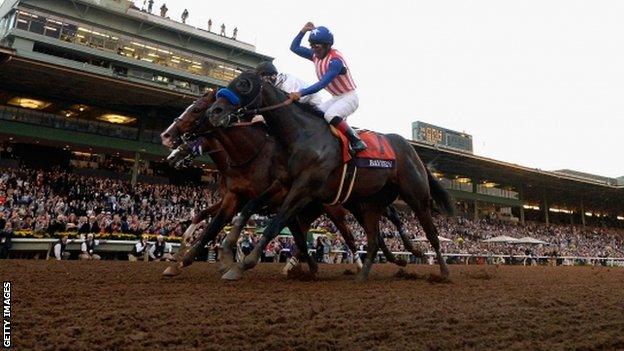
[166, 139]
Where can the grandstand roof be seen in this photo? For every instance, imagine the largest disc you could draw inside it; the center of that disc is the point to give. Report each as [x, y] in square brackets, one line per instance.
[560, 189]
[30, 75]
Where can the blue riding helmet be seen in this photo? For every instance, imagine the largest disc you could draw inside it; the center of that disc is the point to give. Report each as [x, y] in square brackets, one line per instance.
[321, 35]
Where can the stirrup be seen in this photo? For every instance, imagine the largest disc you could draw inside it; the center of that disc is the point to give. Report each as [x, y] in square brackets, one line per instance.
[354, 152]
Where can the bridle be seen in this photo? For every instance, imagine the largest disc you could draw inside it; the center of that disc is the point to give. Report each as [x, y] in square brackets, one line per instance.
[240, 113]
[193, 133]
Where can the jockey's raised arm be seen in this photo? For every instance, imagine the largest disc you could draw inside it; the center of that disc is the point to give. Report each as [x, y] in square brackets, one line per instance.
[301, 50]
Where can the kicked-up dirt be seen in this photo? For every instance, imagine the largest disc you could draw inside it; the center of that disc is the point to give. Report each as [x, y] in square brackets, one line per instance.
[113, 305]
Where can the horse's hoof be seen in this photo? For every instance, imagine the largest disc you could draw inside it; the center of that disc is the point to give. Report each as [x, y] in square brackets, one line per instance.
[223, 267]
[401, 262]
[361, 277]
[172, 271]
[358, 268]
[444, 272]
[188, 257]
[235, 273]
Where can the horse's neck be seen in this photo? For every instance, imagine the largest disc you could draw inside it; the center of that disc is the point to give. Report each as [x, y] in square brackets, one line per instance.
[291, 124]
[241, 142]
[216, 153]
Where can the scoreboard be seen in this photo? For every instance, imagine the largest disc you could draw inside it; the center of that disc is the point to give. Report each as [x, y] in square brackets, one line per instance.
[429, 133]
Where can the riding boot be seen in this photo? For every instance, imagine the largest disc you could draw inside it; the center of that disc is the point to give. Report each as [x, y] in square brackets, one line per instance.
[355, 142]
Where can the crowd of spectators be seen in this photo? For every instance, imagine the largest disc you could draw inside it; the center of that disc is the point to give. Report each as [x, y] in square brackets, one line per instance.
[466, 237]
[58, 201]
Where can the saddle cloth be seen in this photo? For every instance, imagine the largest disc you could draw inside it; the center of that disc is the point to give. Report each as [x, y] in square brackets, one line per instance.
[378, 154]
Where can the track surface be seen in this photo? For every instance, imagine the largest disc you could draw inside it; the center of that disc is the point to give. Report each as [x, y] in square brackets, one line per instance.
[129, 306]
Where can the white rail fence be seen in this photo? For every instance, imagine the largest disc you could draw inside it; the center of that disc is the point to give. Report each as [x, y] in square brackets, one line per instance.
[118, 246]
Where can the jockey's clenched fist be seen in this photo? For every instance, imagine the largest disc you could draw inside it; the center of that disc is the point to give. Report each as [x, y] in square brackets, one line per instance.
[308, 27]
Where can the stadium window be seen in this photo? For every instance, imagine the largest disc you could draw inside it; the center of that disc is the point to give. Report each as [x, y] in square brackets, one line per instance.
[23, 20]
[37, 26]
[52, 28]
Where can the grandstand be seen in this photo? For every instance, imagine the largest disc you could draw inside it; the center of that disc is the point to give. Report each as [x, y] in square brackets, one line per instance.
[126, 74]
[103, 78]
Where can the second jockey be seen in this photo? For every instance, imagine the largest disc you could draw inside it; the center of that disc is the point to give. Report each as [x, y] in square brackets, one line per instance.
[334, 76]
[288, 83]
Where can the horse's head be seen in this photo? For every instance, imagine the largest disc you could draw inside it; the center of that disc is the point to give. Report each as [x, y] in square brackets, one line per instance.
[243, 94]
[191, 121]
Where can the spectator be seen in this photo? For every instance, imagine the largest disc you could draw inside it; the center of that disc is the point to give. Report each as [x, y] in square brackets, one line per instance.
[2, 219]
[209, 24]
[320, 250]
[185, 15]
[58, 225]
[222, 29]
[326, 249]
[234, 33]
[59, 249]
[6, 235]
[90, 227]
[163, 10]
[336, 251]
[87, 249]
[246, 244]
[150, 4]
[116, 226]
[139, 251]
[161, 250]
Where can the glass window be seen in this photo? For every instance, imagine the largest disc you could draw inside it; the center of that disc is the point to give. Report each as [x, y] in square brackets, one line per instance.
[37, 26]
[23, 21]
[52, 29]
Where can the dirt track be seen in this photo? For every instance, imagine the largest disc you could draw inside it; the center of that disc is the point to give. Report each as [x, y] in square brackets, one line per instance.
[122, 305]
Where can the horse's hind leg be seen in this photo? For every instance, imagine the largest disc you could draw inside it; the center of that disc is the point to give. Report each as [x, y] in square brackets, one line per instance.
[337, 215]
[423, 212]
[388, 254]
[299, 232]
[393, 216]
[416, 195]
[370, 223]
[432, 235]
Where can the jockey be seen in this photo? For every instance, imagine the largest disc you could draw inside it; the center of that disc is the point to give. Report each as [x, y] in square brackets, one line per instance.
[334, 75]
[288, 83]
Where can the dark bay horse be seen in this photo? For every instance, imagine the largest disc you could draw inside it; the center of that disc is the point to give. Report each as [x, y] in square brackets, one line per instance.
[314, 164]
[253, 173]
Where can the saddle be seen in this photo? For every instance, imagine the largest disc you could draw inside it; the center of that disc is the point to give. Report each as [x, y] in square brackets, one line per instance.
[378, 154]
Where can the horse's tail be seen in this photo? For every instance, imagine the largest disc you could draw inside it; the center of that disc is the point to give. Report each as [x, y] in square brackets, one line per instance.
[440, 196]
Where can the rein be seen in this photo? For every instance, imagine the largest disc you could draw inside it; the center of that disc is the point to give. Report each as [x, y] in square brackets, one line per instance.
[269, 108]
[245, 110]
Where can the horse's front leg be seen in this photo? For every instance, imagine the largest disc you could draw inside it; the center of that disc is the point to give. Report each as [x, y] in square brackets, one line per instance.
[229, 206]
[253, 206]
[295, 201]
[188, 239]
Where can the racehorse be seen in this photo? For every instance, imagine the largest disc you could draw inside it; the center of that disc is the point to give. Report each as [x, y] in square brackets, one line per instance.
[259, 178]
[315, 162]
